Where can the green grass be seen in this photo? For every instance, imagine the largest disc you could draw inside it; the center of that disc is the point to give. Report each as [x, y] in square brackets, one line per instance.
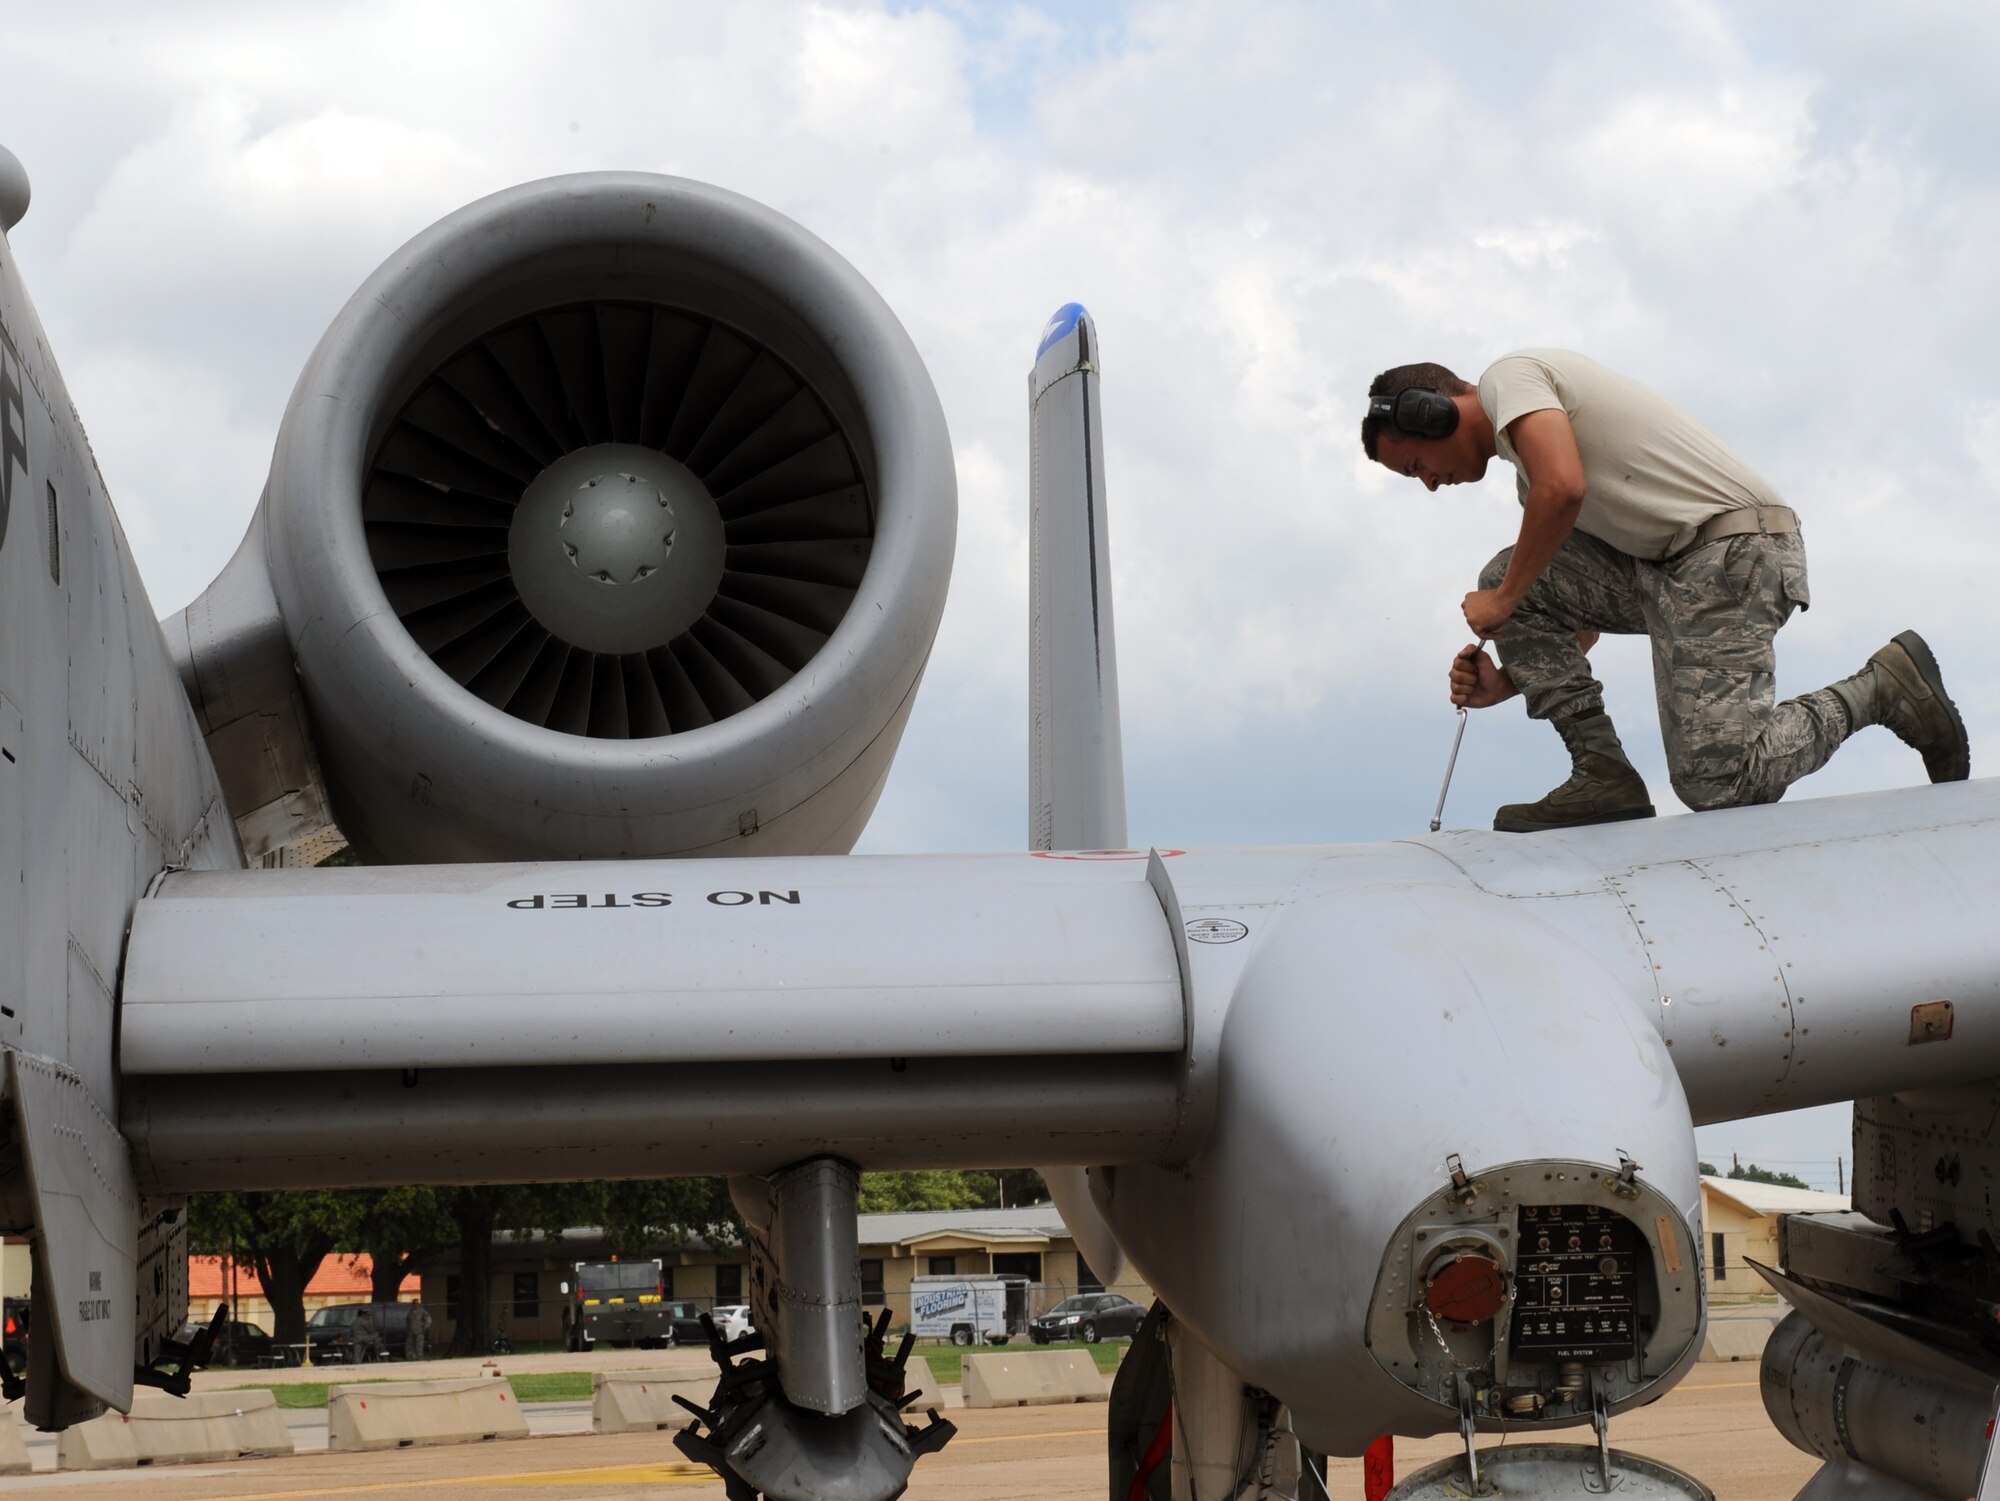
[947, 1365]
[947, 1361]
[550, 1386]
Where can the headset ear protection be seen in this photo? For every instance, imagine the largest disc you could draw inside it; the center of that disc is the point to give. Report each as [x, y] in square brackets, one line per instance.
[1420, 411]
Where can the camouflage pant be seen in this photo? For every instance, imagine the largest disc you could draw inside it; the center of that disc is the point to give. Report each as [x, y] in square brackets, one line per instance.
[1712, 613]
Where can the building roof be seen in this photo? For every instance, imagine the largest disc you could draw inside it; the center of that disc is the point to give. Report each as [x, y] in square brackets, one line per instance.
[1030, 1225]
[1035, 1223]
[1773, 1198]
[337, 1277]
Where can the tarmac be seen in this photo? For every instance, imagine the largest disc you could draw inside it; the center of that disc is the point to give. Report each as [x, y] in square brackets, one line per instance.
[1712, 1426]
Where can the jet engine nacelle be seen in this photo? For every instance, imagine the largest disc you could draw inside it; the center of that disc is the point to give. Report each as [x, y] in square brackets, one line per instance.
[612, 516]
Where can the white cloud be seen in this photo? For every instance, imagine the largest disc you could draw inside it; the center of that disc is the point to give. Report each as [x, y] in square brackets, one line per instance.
[1787, 230]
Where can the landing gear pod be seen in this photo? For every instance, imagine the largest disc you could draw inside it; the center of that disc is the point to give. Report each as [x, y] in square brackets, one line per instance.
[1537, 1293]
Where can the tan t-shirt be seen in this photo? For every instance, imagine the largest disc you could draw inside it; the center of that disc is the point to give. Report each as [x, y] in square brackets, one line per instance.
[1652, 474]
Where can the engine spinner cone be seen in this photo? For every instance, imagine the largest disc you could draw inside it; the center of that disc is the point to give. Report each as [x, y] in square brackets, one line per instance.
[616, 548]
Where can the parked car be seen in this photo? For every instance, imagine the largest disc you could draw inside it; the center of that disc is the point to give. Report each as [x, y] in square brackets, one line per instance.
[732, 1320]
[14, 1332]
[331, 1331]
[1089, 1317]
[239, 1344]
[684, 1323]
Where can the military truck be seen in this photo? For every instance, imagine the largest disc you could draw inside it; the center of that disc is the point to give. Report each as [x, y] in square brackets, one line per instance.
[619, 1303]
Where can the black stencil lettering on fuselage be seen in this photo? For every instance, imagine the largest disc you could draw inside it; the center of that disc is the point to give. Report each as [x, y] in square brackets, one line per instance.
[13, 427]
[598, 901]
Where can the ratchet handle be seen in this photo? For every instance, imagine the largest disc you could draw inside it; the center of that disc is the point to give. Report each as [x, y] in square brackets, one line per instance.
[1437, 818]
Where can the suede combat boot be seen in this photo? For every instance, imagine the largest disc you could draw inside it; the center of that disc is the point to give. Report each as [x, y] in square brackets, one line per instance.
[1602, 787]
[1902, 689]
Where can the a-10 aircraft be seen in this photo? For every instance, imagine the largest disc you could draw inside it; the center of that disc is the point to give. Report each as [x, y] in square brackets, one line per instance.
[604, 543]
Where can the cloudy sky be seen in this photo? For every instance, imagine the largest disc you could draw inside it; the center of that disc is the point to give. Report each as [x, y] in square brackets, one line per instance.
[1781, 215]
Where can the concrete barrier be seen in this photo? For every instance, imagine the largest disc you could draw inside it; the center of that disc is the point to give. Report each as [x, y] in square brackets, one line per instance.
[920, 1378]
[642, 1401]
[161, 1430]
[13, 1444]
[411, 1414]
[1736, 1339]
[1033, 1378]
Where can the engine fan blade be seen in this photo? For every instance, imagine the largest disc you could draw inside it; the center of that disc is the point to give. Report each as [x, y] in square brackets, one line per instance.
[448, 417]
[394, 545]
[676, 347]
[841, 514]
[724, 359]
[763, 390]
[820, 606]
[608, 717]
[825, 465]
[397, 498]
[787, 640]
[417, 454]
[571, 334]
[822, 562]
[753, 669]
[523, 354]
[480, 378]
[625, 335]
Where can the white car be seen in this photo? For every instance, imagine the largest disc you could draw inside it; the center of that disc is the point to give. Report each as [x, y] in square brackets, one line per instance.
[732, 1320]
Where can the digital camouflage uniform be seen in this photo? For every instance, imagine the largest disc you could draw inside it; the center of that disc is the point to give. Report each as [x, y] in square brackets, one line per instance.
[1711, 612]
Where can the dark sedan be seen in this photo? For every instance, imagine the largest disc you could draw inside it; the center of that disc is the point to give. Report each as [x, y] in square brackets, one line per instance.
[684, 1322]
[1089, 1317]
[239, 1344]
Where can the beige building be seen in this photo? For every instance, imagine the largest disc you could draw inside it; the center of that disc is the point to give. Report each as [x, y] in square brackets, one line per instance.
[1033, 1242]
[1740, 1225]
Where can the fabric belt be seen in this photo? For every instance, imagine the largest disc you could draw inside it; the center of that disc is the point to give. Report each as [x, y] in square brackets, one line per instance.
[1769, 521]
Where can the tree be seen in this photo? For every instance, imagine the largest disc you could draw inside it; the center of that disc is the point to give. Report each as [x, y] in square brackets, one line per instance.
[1707, 1170]
[282, 1236]
[479, 1213]
[637, 1217]
[401, 1230]
[1756, 1174]
[1016, 1185]
[890, 1193]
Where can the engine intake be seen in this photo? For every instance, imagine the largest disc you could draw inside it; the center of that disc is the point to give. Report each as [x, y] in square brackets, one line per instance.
[611, 517]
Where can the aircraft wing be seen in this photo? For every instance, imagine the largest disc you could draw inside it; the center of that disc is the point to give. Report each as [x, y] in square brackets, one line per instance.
[931, 1007]
[649, 1017]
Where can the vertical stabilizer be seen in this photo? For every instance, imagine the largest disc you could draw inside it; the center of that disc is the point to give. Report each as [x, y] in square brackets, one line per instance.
[1076, 781]
[1076, 758]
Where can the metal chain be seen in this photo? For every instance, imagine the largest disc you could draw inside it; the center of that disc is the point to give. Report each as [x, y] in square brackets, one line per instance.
[1443, 1344]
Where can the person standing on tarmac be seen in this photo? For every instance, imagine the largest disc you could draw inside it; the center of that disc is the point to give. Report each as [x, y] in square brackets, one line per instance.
[367, 1340]
[1637, 520]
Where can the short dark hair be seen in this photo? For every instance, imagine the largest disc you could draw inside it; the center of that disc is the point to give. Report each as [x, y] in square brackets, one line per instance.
[1392, 383]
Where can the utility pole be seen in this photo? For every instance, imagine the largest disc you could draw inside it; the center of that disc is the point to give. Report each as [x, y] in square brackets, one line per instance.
[1840, 1166]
